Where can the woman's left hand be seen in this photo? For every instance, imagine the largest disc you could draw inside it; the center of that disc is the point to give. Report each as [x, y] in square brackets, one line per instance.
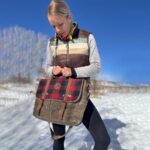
[66, 72]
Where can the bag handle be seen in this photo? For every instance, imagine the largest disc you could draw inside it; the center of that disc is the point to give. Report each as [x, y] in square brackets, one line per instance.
[57, 137]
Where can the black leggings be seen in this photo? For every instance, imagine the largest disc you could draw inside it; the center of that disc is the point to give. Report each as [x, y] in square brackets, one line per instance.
[95, 126]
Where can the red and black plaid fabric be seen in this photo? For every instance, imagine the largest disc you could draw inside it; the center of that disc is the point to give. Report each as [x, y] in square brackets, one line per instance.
[56, 88]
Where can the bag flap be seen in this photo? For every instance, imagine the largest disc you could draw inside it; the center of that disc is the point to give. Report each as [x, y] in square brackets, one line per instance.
[66, 89]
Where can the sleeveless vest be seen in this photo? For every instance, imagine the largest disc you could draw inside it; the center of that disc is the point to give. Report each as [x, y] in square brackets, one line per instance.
[71, 53]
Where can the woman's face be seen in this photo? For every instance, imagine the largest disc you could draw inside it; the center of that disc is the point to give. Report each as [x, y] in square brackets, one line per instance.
[61, 25]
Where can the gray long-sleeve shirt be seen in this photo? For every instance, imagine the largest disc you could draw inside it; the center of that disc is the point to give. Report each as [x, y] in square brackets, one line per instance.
[85, 71]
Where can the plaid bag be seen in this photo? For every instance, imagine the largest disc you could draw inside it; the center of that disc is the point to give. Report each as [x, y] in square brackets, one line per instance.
[61, 100]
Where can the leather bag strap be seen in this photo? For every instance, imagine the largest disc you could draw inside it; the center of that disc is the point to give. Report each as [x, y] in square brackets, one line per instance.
[57, 137]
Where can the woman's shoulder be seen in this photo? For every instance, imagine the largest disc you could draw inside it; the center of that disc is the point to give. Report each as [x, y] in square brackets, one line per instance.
[84, 32]
[87, 34]
[51, 39]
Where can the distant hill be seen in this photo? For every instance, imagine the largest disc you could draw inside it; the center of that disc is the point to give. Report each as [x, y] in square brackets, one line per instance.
[103, 87]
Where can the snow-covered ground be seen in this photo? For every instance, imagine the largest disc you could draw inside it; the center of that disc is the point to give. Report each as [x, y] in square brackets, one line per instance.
[126, 116]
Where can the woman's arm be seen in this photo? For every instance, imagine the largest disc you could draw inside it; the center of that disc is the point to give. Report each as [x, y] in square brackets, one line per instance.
[48, 66]
[94, 58]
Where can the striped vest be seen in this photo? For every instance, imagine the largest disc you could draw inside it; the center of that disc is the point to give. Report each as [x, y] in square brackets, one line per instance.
[71, 53]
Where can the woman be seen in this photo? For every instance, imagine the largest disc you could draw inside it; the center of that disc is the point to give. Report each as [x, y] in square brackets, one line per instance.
[77, 56]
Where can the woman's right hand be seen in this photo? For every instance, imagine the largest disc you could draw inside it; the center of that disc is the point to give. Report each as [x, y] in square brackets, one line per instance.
[57, 70]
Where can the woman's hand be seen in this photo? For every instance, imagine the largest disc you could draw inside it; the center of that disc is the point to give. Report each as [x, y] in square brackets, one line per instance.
[66, 72]
[57, 70]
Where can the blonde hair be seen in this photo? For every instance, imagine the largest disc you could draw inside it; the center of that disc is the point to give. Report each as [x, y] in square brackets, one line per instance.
[59, 7]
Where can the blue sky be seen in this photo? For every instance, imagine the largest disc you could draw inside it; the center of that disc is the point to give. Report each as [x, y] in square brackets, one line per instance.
[121, 29]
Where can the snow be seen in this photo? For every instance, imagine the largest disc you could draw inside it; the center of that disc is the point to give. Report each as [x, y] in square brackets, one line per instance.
[126, 117]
